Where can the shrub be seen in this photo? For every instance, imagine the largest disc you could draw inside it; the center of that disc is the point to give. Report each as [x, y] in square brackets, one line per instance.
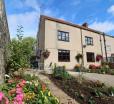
[92, 66]
[61, 73]
[77, 67]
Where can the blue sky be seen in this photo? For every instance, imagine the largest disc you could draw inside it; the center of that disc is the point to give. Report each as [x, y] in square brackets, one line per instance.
[99, 14]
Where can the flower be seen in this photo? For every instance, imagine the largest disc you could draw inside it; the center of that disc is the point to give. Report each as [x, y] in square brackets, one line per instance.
[6, 100]
[10, 81]
[1, 96]
[12, 91]
[49, 93]
[43, 87]
[18, 90]
[6, 75]
[21, 84]
[18, 99]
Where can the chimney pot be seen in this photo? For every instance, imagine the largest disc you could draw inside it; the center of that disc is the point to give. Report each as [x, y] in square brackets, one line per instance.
[85, 24]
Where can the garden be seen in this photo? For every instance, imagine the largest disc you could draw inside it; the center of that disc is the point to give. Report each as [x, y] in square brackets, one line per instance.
[103, 67]
[83, 91]
[25, 89]
[19, 88]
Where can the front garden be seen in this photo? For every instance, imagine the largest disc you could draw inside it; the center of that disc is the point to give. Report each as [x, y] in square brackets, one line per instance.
[25, 89]
[83, 91]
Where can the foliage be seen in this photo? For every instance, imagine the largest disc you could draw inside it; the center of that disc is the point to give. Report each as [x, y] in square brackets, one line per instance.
[77, 67]
[21, 49]
[61, 73]
[78, 57]
[31, 91]
[45, 54]
[99, 57]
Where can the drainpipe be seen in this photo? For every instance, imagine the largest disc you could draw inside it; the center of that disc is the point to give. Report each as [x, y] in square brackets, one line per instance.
[105, 47]
[101, 45]
[82, 48]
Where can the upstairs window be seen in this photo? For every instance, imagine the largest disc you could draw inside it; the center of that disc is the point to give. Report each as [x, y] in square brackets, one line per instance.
[90, 57]
[63, 55]
[63, 36]
[88, 40]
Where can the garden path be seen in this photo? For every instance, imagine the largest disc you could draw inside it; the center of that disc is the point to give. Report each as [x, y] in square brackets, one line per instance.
[63, 97]
[107, 79]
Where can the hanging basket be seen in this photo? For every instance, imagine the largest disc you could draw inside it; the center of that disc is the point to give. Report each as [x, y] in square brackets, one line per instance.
[45, 54]
[99, 57]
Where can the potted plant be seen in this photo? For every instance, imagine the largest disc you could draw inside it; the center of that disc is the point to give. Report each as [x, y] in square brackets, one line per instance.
[77, 67]
[99, 58]
[45, 54]
[79, 57]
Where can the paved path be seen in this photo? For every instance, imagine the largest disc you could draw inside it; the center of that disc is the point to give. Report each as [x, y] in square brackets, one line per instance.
[107, 79]
[63, 97]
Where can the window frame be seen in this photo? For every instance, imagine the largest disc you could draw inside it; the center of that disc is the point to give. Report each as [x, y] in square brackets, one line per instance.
[63, 36]
[88, 40]
[92, 59]
[63, 57]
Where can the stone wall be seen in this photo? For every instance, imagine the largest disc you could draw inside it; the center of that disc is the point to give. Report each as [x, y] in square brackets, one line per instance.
[4, 39]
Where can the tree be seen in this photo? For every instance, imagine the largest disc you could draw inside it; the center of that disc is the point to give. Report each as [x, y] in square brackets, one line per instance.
[21, 49]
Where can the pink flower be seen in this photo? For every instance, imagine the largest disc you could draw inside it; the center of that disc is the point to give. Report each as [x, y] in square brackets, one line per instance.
[23, 81]
[1, 96]
[6, 100]
[18, 90]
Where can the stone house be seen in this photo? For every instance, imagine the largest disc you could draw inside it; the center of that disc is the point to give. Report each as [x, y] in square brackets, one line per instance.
[64, 40]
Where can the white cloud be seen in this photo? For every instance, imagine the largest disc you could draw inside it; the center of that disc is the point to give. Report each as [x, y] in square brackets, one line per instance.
[111, 10]
[105, 26]
[28, 20]
[34, 4]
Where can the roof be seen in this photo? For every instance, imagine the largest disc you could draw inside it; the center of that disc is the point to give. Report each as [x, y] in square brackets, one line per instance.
[71, 24]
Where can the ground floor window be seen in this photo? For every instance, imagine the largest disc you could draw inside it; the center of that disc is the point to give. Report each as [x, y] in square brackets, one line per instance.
[90, 57]
[63, 55]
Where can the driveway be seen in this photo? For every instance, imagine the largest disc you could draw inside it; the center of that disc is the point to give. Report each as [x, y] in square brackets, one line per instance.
[107, 79]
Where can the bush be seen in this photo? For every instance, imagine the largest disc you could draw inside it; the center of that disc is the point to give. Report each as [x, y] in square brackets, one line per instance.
[92, 66]
[77, 68]
[61, 73]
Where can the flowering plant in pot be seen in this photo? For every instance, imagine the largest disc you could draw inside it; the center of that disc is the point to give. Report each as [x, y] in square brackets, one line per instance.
[99, 57]
[45, 54]
[78, 57]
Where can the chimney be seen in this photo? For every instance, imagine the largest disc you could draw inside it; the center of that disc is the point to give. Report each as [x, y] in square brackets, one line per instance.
[85, 25]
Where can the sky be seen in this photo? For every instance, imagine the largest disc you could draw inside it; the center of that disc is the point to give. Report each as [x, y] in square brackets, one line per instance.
[99, 14]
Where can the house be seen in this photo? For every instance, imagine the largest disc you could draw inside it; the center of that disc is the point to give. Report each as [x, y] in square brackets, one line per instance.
[64, 40]
[4, 39]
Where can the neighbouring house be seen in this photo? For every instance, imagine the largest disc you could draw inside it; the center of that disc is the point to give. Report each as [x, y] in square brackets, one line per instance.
[64, 40]
[4, 39]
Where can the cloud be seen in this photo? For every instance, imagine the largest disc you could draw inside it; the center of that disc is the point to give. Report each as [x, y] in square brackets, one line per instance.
[21, 4]
[105, 26]
[27, 14]
[28, 20]
[111, 10]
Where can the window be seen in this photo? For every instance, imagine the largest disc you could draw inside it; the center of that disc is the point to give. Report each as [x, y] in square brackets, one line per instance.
[63, 36]
[88, 40]
[63, 55]
[90, 57]
[108, 48]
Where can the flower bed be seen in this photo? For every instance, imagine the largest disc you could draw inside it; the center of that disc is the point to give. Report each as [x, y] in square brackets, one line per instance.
[26, 90]
[83, 91]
